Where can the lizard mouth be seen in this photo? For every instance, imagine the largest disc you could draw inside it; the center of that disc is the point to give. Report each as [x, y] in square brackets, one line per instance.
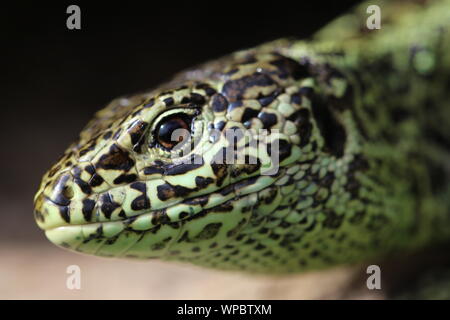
[90, 237]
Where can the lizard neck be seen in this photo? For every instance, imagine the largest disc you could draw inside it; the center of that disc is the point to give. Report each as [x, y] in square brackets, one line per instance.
[389, 90]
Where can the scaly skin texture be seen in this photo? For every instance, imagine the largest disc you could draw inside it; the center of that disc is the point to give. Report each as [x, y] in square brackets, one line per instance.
[363, 119]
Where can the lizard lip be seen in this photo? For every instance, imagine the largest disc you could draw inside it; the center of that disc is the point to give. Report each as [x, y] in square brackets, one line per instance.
[89, 238]
[150, 219]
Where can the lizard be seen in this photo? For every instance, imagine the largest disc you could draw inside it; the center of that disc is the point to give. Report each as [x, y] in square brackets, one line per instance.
[353, 164]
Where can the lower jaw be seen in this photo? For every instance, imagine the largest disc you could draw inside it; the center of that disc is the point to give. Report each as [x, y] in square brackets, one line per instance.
[116, 238]
[108, 239]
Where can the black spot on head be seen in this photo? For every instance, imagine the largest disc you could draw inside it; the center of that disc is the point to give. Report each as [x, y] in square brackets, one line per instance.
[140, 186]
[306, 91]
[300, 117]
[137, 112]
[84, 186]
[183, 214]
[332, 131]
[167, 191]
[219, 103]
[64, 212]
[88, 207]
[149, 104]
[122, 214]
[219, 125]
[153, 170]
[208, 90]
[202, 182]
[140, 203]
[305, 134]
[53, 171]
[266, 100]
[236, 89]
[268, 119]
[89, 147]
[197, 98]
[90, 169]
[168, 101]
[248, 114]
[185, 100]
[115, 159]
[95, 180]
[125, 178]
[182, 168]
[296, 98]
[108, 205]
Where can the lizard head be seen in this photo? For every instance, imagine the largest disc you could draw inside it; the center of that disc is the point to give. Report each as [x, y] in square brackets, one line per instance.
[187, 170]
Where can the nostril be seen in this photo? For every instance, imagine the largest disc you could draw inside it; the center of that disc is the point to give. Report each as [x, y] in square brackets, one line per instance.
[68, 192]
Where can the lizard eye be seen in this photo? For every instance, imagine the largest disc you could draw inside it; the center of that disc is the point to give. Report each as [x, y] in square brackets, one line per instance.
[173, 130]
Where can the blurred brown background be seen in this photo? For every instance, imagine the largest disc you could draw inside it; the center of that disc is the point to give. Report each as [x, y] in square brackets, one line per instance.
[54, 79]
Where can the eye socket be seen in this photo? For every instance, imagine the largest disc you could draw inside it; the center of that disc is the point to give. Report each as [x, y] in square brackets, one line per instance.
[173, 130]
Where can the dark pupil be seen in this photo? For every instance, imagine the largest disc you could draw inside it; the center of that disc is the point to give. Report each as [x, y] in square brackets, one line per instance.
[167, 129]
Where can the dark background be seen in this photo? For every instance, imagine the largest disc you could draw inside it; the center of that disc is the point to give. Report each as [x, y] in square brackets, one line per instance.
[54, 79]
